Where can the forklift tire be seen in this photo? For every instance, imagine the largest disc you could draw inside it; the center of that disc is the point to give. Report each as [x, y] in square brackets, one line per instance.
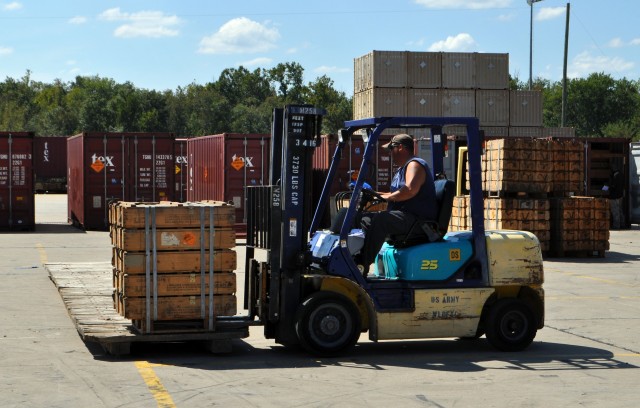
[511, 325]
[327, 324]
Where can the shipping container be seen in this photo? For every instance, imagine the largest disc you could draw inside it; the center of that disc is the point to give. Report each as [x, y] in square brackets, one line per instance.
[525, 108]
[385, 69]
[525, 131]
[492, 107]
[222, 166]
[181, 169]
[380, 102]
[449, 161]
[17, 201]
[492, 71]
[103, 166]
[634, 184]
[424, 102]
[458, 70]
[424, 70]
[50, 164]
[458, 103]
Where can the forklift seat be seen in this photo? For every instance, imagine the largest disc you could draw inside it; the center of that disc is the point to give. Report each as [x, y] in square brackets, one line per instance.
[423, 231]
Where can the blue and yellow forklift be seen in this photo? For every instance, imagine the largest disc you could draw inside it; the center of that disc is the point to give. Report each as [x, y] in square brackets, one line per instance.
[309, 290]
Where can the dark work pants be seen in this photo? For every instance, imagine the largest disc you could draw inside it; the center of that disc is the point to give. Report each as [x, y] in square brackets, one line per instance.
[377, 226]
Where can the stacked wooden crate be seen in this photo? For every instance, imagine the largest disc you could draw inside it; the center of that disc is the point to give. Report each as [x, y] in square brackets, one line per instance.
[523, 214]
[173, 263]
[581, 225]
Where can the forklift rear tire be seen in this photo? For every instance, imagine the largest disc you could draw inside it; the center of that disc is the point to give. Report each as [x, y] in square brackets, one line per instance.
[511, 325]
[327, 324]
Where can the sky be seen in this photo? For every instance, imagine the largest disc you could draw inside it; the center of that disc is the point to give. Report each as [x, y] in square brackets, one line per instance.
[164, 45]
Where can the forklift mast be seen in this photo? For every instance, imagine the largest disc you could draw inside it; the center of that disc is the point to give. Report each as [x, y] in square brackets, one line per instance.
[280, 215]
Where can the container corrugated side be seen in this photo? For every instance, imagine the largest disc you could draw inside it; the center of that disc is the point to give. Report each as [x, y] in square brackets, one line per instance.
[380, 102]
[458, 70]
[495, 131]
[424, 70]
[105, 166]
[492, 71]
[17, 201]
[525, 108]
[50, 163]
[424, 102]
[458, 103]
[222, 166]
[492, 107]
[181, 169]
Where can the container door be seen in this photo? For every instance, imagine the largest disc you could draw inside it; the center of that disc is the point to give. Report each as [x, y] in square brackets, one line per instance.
[180, 170]
[151, 168]
[17, 210]
[247, 164]
[105, 177]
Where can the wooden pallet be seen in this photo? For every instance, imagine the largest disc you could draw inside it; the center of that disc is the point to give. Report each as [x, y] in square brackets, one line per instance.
[87, 292]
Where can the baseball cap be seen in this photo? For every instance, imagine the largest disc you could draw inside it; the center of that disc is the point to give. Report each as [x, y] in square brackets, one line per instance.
[401, 139]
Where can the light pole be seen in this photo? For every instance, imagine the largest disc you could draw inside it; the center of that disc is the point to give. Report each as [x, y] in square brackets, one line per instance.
[530, 3]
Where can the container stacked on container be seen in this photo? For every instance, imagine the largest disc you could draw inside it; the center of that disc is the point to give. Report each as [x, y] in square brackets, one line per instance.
[17, 209]
[50, 164]
[173, 263]
[103, 167]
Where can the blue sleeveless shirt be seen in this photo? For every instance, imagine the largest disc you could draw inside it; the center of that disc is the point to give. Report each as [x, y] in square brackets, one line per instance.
[422, 205]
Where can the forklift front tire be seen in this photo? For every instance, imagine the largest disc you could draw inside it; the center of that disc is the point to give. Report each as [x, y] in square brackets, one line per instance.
[327, 324]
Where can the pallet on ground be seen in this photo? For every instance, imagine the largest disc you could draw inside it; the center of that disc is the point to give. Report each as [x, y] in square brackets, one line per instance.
[86, 291]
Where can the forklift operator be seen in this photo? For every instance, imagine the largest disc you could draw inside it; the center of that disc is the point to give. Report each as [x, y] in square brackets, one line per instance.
[412, 197]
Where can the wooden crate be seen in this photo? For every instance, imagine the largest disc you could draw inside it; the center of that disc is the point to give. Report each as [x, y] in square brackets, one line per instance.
[175, 284]
[174, 261]
[173, 239]
[178, 307]
[172, 214]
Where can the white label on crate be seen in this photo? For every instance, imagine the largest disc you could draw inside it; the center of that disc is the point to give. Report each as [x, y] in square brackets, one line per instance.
[169, 239]
[436, 138]
[97, 202]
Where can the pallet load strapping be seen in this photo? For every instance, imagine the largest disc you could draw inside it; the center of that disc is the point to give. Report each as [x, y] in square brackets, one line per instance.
[173, 263]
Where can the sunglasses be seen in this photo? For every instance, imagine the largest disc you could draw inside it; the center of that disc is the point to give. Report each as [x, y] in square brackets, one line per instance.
[392, 145]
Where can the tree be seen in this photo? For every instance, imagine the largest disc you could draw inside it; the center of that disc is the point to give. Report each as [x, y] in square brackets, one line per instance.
[287, 79]
[339, 108]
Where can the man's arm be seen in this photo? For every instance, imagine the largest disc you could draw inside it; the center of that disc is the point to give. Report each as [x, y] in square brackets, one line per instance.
[415, 177]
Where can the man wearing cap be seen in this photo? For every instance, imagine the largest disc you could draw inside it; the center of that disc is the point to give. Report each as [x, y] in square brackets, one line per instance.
[412, 197]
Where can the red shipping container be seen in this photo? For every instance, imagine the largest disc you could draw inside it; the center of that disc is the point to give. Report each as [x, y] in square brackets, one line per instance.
[381, 169]
[17, 209]
[50, 163]
[221, 166]
[103, 167]
[181, 169]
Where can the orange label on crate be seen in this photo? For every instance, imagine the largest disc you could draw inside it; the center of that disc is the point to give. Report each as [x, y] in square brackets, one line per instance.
[97, 166]
[237, 163]
[189, 239]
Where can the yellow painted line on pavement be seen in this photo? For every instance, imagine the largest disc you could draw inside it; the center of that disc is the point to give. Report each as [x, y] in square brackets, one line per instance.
[627, 355]
[156, 388]
[42, 252]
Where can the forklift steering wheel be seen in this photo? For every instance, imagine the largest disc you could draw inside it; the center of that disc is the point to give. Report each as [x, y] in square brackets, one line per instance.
[371, 196]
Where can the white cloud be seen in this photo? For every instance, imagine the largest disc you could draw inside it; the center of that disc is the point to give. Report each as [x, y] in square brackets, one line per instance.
[324, 69]
[506, 17]
[615, 43]
[77, 20]
[238, 36]
[461, 42]
[635, 41]
[549, 13]
[466, 4]
[585, 63]
[257, 62]
[152, 24]
[12, 6]
[5, 51]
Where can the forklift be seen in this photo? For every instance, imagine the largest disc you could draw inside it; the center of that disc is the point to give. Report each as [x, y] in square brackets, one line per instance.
[310, 292]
